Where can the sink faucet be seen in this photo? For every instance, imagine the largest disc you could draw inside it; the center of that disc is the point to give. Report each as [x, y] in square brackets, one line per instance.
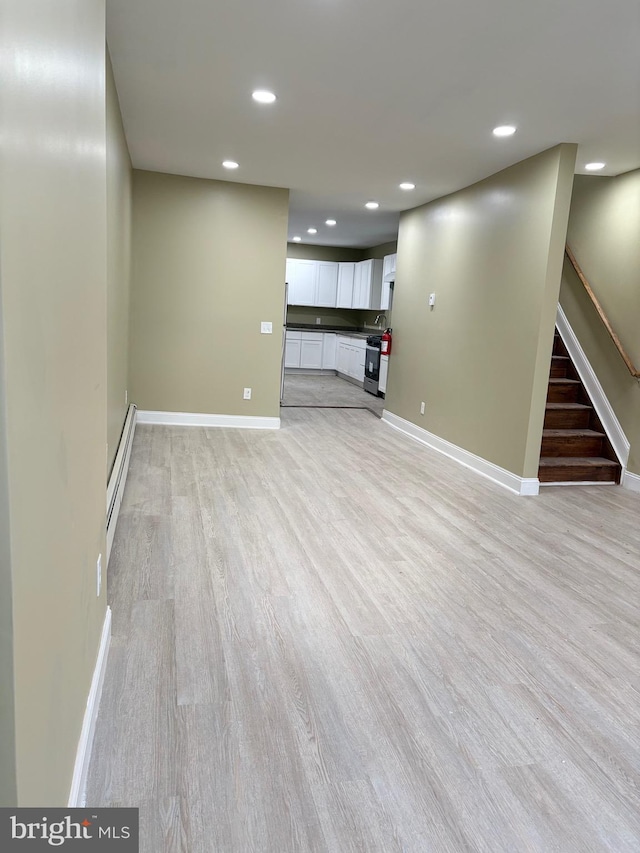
[378, 321]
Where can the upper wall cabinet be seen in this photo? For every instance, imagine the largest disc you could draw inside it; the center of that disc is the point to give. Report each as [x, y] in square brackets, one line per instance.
[346, 274]
[367, 285]
[389, 267]
[302, 277]
[312, 283]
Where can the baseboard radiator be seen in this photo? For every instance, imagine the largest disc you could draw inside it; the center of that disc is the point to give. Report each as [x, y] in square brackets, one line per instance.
[117, 480]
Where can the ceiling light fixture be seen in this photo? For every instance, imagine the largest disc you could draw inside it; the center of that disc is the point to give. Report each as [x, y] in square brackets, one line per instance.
[312, 230]
[230, 164]
[331, 222]
[595, 167]
[297, 239]
[504, 130]
[263, 96]
[407, 185]
[372, 205]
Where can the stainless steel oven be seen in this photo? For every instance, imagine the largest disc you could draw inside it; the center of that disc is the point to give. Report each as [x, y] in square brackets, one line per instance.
[372, 364]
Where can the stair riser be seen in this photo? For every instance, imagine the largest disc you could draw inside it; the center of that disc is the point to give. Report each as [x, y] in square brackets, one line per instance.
[571, 446]
[563, 393]
[567, 420]
[576, 474]
[558, 371]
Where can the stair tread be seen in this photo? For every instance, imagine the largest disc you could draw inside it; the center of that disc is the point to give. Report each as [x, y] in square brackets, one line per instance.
[573, 431]
[571, 406]
[557, 380]
[564, 461]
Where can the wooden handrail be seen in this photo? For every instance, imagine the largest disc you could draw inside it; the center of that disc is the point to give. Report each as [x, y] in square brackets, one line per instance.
[601, 314]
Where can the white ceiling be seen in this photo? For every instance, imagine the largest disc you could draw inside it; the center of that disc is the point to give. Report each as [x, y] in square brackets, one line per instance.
[372, 93]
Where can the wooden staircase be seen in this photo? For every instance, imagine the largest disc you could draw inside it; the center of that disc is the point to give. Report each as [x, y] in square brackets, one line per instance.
[575, 448]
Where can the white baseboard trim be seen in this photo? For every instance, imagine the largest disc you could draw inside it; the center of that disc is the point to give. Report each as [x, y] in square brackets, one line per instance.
[203, 420]
[77, 795]
[515, 484]
[118, 478]
[631, 481]
[601, 404]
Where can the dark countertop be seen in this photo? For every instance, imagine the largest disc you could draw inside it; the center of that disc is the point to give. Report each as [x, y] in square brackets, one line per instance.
[340, 330]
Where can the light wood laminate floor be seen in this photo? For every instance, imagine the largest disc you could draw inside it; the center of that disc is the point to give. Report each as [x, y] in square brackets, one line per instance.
[312, 390]
[329, 638]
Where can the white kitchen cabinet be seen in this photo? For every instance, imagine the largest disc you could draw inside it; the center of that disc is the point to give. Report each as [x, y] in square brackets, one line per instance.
[384, 372]
[367, 286]
[351, 357]
[386, 296]
[329, 346]
[389, 266]
[302, 276]
[346, 274]
[293, 344]
[311, 350]
[326, 284]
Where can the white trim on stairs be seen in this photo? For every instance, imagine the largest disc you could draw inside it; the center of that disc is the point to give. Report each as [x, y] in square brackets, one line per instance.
[206, 420]
[601, 404]
[77, 795]
[518, 485]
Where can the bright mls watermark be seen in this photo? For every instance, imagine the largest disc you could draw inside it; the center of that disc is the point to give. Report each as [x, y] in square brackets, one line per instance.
[69, 829]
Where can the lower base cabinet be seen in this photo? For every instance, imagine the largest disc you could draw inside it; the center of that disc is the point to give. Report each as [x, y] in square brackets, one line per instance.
[351, 357]
[310, 350]
[384, 370]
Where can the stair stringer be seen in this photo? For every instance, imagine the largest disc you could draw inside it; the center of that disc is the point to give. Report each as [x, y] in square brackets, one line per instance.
[610, 423]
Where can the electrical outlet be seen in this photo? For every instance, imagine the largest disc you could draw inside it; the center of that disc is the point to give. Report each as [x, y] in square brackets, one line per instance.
[266, 328]
[432, 299]
[126, 396]
[99, 575]
[247, 393]
[422, 408]
[318, 321]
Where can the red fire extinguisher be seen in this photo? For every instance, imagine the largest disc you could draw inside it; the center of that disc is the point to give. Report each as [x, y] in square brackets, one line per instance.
[385, 348]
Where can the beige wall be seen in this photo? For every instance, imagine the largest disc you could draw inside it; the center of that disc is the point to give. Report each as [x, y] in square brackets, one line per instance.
[208, 267]
[53, 273]
[479, 360]
[347, 317]
[380, 251]
[604, 234]
[323, 253]
[7, 698]
[118, 268]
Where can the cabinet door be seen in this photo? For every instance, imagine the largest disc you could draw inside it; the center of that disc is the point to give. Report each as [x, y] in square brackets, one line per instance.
[302, 287]
[346, 273]
[327, 284]
[289, 277]
[292, 352]
[329, 342]
[384, 372]
[342, 360]
[360, 358]
[358, 286]
[311, 353]
[385, 300]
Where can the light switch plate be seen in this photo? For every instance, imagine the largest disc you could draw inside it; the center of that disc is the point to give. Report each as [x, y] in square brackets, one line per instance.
[266, 328]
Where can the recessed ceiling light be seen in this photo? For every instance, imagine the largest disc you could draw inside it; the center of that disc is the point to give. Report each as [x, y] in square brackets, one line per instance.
[372, 205]
[263, 96]
[330, 222]
[297, 239]
[407, 185]
[595, 167]
[230, 164]
[312, 230]
[504, 130]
